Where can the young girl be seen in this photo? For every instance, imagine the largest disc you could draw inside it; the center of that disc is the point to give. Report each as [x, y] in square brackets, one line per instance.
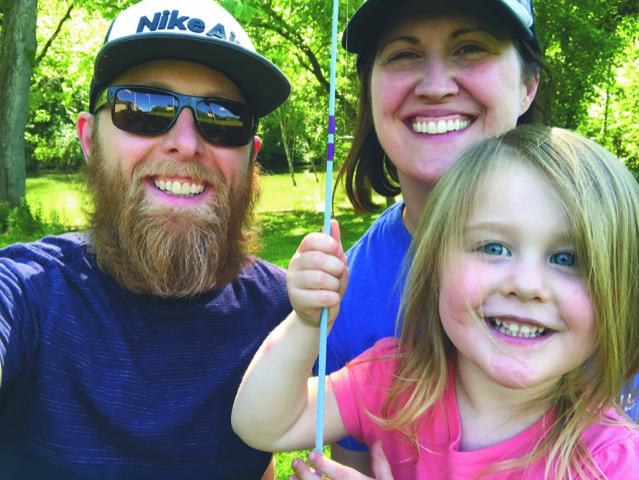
[519, 326]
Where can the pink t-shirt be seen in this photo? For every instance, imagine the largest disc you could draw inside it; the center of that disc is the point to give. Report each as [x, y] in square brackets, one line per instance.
[362, 386]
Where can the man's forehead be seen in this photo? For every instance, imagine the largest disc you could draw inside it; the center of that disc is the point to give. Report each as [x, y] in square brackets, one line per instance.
[182, 76]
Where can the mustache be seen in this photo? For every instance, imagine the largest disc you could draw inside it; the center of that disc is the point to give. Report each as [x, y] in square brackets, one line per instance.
[173, 168]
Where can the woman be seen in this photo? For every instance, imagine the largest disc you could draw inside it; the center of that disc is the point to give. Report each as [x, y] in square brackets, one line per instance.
[435, 77]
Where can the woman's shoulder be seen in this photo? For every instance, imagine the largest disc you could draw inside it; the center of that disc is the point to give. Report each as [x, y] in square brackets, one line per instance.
[389, 221]
[387, 230]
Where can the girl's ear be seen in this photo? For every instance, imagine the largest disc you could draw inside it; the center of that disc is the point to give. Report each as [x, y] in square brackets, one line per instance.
[84, 127]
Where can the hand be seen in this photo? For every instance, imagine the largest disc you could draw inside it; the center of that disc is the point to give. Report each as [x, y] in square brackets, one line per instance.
[317, 276]
[333, 470]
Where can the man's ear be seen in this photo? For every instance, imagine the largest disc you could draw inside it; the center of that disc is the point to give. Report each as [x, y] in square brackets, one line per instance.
[258, 145]
[84, 127]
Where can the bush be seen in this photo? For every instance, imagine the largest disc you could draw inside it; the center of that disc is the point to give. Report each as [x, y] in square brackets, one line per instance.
[26, 223]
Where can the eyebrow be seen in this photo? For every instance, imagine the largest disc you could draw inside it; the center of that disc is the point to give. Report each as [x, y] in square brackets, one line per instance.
[489, 31]
[493, 227]
[457, 33]
[504, 229]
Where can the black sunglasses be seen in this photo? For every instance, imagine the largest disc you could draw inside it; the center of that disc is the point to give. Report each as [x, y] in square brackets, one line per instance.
[152, 111]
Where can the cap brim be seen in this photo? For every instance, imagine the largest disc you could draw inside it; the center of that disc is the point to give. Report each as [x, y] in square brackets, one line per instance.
[363, 30]
[263, 85]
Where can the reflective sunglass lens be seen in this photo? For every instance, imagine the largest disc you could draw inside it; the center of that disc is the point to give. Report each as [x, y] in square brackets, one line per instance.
[225, 124]
[141, 111]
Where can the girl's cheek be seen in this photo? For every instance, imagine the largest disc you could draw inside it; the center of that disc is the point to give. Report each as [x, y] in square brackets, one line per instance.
[473, 284]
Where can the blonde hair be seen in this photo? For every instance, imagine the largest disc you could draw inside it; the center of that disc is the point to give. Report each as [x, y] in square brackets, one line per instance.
[601, 201]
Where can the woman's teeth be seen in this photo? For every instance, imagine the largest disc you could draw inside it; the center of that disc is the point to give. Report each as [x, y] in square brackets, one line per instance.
[516, 330]
[185, 189]
[442, 126]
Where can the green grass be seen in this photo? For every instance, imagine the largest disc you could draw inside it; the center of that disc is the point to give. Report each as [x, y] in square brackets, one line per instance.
[286, 214]
[284, 230]
[283, 461]
[58, 192]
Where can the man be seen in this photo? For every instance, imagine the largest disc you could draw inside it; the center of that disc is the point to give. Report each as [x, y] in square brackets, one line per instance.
[121, 350]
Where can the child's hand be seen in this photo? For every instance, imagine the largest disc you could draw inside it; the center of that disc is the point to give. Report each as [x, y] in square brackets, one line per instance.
[317, 276]
[334, 470]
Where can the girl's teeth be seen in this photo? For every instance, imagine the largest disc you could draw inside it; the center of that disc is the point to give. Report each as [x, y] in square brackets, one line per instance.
[516, 330]
[185, 189]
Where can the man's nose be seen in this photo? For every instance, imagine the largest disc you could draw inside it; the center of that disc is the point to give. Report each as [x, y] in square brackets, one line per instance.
[184, 137]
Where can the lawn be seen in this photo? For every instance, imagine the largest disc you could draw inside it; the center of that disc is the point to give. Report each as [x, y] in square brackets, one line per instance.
[286, 212]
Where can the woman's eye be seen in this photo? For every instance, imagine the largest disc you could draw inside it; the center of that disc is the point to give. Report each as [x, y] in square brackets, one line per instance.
[493, 249]
[470, 50]
[403, 55]
[564, 259]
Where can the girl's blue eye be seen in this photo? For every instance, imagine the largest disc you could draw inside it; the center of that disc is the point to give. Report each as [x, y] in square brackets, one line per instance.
[494, 249]
[564, 259]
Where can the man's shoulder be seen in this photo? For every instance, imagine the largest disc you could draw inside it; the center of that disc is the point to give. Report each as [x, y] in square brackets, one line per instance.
[262, 268]
[261, 272]
[261, 283]
[52, 249]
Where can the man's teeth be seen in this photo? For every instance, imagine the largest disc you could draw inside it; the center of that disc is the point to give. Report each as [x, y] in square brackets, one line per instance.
[185, 189]
[516, 330]
[443, 126]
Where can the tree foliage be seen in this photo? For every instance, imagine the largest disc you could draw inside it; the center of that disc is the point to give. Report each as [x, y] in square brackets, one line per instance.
[69, 35]
[591, 46]
[582, 41]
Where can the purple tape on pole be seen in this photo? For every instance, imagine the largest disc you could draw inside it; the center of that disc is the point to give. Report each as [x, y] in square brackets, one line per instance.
[331, 152]
[331, 124]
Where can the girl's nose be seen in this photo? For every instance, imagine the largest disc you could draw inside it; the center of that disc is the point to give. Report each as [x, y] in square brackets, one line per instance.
[438, 79]
[527, 280]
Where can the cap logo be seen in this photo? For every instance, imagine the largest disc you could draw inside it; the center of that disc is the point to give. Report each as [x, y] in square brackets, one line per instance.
[170, 20]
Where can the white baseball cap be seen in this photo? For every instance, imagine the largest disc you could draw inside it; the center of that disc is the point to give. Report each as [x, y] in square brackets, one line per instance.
[195, 30]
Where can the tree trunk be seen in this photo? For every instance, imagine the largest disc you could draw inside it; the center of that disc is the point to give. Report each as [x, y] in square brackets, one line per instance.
[17, 53]
[285, 140]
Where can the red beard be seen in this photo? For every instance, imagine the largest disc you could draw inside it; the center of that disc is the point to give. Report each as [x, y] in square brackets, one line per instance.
[165, 251]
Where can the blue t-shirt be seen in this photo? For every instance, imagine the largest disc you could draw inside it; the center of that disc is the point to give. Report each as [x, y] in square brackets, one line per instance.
[101, 383]
[369, 309]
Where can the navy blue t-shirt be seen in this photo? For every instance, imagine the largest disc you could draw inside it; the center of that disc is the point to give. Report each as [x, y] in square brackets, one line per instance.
[101, 383]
